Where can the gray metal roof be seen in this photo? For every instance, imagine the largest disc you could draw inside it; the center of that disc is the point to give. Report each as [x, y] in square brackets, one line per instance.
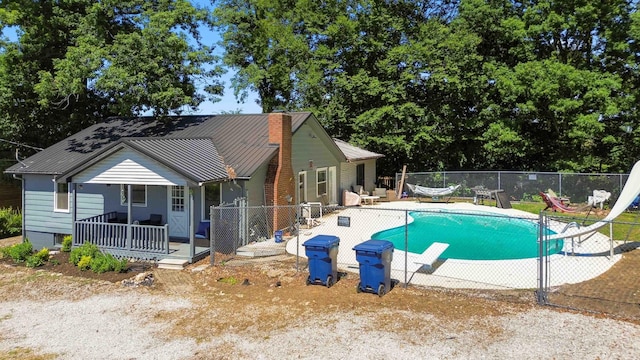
[239, 142]
[206, 166]
[354, 153]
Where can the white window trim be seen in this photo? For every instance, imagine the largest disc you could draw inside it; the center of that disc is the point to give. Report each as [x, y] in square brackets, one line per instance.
[123, 190]
[326, 182]
[55, 198]
[202, 202]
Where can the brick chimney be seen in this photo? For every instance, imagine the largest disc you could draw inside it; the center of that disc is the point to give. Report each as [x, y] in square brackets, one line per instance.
[280, 181]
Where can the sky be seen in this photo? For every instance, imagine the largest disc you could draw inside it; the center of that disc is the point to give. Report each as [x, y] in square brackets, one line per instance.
[228, 102]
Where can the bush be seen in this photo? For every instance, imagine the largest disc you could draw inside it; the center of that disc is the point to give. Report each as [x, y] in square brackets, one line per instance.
[106, 262]
[18, 252]
[86, 249]
[10, 222]
[38, 259]
[89, 256]
[85, 262]
[67, 241]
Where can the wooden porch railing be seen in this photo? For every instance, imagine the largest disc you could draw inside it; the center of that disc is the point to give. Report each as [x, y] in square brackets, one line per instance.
[144, 238]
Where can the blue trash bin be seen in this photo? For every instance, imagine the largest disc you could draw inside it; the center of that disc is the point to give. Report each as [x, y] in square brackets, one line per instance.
[278, 236]
[322, 252]
[374, 257]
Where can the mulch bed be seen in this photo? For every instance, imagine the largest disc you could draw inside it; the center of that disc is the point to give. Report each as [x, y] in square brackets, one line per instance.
[59, 263]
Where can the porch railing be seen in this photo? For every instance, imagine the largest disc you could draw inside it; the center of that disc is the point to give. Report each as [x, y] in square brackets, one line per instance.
[145, 238]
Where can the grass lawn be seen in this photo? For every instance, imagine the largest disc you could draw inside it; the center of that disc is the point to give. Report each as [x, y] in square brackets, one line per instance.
[625, 227]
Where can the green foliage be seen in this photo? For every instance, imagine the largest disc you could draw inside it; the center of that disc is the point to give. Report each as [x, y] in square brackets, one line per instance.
[469, 84]
[231, 280]
[85, 250]
[38, 259]
[85, 262]
[10, 222]
[18, 252]
[88, 256]
[106, 262]
[67, 242]
[77, 62]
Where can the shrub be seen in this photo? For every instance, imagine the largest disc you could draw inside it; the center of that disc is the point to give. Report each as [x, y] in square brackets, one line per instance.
[106, 262]
[10, 222]
[38, 259]
[18, 252]
[67, 241]
[85, 262]
[86, 249]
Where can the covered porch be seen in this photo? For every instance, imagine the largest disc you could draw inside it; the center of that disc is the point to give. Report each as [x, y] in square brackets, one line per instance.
[134, 240]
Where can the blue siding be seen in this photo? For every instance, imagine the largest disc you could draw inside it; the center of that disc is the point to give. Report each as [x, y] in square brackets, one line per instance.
[40, 240]
[38, 208]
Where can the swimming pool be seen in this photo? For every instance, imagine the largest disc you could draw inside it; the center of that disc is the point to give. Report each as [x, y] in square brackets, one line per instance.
[470, 236]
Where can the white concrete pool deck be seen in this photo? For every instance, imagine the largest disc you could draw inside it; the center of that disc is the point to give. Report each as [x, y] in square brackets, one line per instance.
[485, 274]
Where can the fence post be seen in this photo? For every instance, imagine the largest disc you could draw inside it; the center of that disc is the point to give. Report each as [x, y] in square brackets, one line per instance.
[406, 245]
[541, 295]
[212, 235]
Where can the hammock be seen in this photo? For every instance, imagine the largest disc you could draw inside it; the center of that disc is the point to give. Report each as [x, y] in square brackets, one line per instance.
[432, 192]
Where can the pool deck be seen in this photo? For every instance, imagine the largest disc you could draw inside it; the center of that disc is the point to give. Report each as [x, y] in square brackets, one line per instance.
[482, 274]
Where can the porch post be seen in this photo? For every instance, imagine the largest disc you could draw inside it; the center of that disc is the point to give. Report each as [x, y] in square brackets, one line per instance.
[74, 214]
[192, 241]
[129, 208]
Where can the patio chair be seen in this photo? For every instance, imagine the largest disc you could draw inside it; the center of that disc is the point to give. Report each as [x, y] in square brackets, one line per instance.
[203, 230]
[154, 219]
[121, 218]
[598, 198]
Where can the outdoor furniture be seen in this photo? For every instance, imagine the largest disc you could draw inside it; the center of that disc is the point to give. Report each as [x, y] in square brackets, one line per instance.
[482, 193]
[203, 230]
[350, 198]
[154, 219]
[370, 198]
[121, 218]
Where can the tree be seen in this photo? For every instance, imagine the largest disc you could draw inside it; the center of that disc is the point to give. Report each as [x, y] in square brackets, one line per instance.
[76, 62]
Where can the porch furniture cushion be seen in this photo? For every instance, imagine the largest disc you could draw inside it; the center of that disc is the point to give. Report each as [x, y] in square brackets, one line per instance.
[203, 230]
[380, 192]
[154, 219]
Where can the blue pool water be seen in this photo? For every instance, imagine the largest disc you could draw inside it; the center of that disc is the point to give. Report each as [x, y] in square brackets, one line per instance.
[470, 236]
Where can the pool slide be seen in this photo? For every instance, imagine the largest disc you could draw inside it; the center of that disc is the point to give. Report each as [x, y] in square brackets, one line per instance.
[629, 193]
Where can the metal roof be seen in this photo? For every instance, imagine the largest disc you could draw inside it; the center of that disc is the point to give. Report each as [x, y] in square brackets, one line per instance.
[179, 155]
[201, 148]
[237, 143]
[354, 153]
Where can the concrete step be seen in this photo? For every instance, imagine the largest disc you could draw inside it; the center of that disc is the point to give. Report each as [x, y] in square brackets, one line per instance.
[259, 252]
[172, 264]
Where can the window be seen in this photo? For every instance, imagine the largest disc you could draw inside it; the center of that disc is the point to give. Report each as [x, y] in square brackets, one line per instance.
[177, 199]
[321, 181]
[210, 196]
[61, 197]
[138, 195]
[360, 174]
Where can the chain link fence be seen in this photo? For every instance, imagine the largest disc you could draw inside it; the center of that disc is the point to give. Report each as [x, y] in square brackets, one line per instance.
[521, 186]
[487, 250]
[593, 273]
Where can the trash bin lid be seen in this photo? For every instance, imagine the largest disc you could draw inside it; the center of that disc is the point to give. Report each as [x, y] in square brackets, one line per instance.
[377, 246]
[322, 241]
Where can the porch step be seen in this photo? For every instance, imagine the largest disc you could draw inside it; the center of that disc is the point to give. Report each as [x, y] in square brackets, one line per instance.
[267, 248]
[172, 264]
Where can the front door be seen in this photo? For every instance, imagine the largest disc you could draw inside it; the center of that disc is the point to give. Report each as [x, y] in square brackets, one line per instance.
[178, 211]
[302, 187]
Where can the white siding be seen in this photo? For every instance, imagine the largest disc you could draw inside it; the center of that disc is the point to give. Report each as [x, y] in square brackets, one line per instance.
[129, 167]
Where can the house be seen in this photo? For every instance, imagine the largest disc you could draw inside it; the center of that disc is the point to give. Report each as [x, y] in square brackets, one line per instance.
[132, 185]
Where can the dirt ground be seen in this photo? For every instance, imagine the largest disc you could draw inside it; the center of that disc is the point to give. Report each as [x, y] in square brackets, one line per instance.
[274, 284]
